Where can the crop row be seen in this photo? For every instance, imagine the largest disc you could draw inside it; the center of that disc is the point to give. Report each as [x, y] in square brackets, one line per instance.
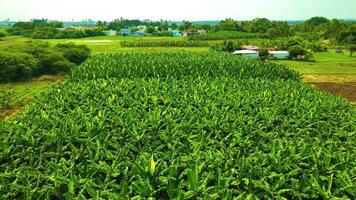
[226, 35]
[178, 65]
[163, 43]
[188, 138]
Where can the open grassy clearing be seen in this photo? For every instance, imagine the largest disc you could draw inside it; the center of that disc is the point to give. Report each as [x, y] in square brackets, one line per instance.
[23, 93]
[326, 63]
[102, 44]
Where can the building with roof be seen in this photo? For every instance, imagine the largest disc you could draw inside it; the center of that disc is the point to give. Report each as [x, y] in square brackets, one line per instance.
[280, 55]
[125, 32]
[250, 47]
[139, 34]
[176, 33]
[247, 54]
[110, 33]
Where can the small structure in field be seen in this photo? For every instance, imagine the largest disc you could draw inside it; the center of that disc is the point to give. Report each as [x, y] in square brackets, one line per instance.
[139, 34]
[201, 32]
[248, 54]
[279, 55]
[176, 33]
[125, 32]
[110, 33]
[251, 48]
[189, 33]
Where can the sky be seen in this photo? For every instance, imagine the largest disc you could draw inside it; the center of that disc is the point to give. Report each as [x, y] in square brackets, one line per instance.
[193, 10]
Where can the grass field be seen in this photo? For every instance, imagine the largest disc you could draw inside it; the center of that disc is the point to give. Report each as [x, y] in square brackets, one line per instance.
[326, 63]
[330, 72]
[102, 44]
[23, 93]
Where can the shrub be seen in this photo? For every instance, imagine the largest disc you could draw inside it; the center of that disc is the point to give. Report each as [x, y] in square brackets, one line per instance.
[317, 47]
[264, 54]
[51, 63]
[2, 35]
[297, 52]
[15, 66]
[74, 53]
[227, 46]
[62, 66]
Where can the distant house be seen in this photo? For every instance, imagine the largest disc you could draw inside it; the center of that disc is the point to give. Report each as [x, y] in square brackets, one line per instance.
[139, 34]
[176, 33]
[247, 53]
[125, 32]
[189, 33]
[200, 32]
[110, 33]
[251, 48]
[279, 54]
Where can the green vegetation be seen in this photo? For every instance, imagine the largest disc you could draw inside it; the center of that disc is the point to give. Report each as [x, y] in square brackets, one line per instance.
[163, 43]
[226, 35]
[180, 125]
[227, 46]
[42, 29]
[178, 65]
[325, 63]
[30, 59]
[16, 96]
[2, 35]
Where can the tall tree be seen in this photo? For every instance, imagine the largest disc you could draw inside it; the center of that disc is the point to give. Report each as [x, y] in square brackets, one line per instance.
[334, 28]
[228, 25]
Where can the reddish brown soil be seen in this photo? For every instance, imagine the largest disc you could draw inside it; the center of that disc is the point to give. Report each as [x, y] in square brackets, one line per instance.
[346, 90]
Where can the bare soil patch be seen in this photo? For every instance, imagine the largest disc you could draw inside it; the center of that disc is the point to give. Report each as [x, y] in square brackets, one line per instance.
[346, 90]
[329, 77]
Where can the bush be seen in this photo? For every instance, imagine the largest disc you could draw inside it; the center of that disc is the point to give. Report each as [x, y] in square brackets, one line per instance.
[62, 66]
[2, 35]
[297, 52]
[228, 46]
[15, 66]
[49, 63]
[263, 54]
[74, 53]
[317, 47]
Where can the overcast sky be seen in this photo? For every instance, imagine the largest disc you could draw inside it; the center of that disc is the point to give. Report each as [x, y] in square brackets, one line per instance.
[175, 10]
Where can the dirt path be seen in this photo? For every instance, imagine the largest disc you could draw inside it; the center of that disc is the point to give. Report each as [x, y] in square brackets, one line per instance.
[346, 90]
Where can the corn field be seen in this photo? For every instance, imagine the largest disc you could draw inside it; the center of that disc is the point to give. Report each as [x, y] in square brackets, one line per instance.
[180, 126]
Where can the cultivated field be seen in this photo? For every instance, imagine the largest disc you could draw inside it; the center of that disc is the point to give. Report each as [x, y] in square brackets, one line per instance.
[329, 67]
[183, 125]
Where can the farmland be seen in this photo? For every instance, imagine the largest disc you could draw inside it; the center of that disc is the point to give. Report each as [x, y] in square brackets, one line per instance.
[329, 67]
[151, 117]
[169, 127]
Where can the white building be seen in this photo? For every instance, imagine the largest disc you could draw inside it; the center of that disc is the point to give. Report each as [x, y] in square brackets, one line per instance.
[248, 54]
[110, 33]
[279, 54]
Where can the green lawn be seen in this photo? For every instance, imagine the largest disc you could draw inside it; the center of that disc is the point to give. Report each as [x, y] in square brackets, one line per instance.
[23, 93]
[326, 63]
[101, 44]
